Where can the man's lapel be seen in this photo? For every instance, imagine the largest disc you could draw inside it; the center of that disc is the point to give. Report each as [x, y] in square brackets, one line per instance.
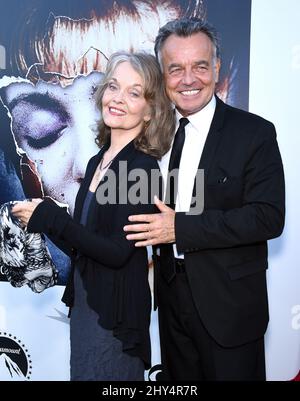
[213, 137]
[212, 140]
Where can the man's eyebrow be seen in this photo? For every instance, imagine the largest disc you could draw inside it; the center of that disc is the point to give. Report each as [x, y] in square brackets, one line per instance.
[41, 100]
[202, 62]
[199, 62]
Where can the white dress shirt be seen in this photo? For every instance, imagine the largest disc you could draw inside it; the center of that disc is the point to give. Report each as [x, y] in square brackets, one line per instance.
[195, 136]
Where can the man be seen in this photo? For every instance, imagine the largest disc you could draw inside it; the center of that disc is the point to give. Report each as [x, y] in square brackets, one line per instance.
[213, 312]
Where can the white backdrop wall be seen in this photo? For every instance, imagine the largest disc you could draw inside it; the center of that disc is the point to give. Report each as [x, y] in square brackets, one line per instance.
[274, 94]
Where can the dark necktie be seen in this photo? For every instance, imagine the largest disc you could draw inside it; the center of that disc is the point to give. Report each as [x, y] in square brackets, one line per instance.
[172, 184]
[166, 250]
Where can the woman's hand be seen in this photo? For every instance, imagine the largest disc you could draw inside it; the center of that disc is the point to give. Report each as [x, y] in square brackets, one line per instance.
[23, 210]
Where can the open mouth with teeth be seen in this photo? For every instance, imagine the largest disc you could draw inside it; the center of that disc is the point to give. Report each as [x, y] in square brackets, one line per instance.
[117, 112]
[191, 92]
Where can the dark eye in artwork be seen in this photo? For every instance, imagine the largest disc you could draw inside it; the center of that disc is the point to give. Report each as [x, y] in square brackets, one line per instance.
[38, 122]
[45, 140]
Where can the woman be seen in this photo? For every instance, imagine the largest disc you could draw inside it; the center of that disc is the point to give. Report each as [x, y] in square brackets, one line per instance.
[108, 290]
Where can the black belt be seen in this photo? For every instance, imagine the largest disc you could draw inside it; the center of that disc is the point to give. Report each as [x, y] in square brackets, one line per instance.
[179, 265]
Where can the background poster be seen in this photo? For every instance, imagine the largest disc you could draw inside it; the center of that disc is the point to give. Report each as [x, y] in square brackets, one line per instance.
[52, 55]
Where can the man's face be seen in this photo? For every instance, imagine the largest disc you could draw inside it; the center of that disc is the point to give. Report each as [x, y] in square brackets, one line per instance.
[190, 71]
[55, 127]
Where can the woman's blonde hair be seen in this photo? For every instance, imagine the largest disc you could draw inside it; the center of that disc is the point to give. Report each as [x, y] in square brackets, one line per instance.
[156, 136]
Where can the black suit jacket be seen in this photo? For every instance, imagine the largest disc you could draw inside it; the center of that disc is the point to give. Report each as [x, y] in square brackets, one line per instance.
[113, 270]
[225, 247]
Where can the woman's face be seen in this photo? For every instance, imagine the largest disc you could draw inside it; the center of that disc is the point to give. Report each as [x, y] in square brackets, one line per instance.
[124, 107]
[55, 127]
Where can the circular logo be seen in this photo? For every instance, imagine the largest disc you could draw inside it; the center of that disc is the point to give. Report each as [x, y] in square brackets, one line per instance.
[155, 373]
[15, 363]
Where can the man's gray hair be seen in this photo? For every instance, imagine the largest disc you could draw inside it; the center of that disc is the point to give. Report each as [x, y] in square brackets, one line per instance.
[185, 27]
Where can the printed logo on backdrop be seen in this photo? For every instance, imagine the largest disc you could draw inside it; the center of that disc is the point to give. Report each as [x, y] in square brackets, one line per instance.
[15, 363]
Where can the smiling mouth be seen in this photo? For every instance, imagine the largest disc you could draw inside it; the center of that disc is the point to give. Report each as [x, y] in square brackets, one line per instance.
[117, 112]
[191, 92]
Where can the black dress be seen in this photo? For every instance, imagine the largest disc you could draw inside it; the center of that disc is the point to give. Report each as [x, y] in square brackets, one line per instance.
[95, 353]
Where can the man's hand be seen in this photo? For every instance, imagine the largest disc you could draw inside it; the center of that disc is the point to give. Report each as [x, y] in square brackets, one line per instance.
[23, 210]
[154, 228]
